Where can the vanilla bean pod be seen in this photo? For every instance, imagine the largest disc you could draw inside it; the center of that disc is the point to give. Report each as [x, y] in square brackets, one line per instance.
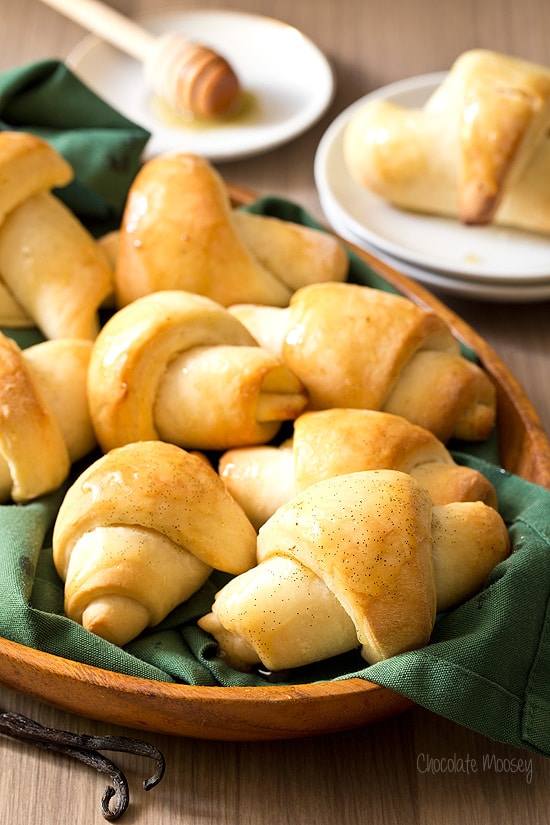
[86, 749]
[116, 796]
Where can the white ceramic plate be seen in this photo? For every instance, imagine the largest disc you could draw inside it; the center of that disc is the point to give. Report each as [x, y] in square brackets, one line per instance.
[442, 283]
[287, 80]
[488, 254]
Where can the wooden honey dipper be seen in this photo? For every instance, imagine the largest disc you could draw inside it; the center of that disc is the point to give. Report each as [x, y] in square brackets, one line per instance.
[188, 76]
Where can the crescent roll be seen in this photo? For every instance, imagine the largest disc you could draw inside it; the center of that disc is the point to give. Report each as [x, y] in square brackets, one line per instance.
[478, 150]
[354, 346]
[339, 441]
[177, 366]
[179, 231]
[44, 420]
[360, 560]
[54, 268]
[176, 233]
[139, 532]
[28, 166]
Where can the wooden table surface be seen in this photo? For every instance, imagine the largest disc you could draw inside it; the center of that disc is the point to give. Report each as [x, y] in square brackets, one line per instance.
[392, 771]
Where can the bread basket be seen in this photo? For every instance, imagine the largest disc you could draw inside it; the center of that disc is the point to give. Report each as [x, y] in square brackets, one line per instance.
[275, 711]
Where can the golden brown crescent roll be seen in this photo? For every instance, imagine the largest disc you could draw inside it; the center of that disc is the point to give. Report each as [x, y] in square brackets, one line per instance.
[54, 268]
[355, 560]
[338, 441]
[45, 422]
[33, 454]
[139, 532]
[479, 148]
[177, 233]
[354, 346]
[296, 254]
[504, 116]
[178, 366]
[28, 165]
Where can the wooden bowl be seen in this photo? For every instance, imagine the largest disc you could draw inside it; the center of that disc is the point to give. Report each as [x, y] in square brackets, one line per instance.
[276, 711]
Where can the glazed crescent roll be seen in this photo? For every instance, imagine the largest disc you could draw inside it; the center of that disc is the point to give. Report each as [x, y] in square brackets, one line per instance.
[360, 560]
[177, 366]
[354, 346]
[479, 148]
[504, 116]
[28, 165]
[177, 233]
[34, 458]
[45, 421]
[54, 268]
[339, 441]
[139, 532]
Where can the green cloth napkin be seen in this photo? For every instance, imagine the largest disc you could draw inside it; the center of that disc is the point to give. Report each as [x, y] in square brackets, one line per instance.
[487, 666]
[103, 147]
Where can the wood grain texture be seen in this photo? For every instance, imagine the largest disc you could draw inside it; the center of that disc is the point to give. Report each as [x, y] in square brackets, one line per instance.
[381, 772]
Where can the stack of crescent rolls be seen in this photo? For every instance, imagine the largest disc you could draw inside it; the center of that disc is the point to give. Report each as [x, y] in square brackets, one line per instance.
[243, 407]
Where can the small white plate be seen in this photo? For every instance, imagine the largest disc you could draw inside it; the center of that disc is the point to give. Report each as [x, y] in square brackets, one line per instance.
[287, 80]
[488, 253]
[442, 283]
